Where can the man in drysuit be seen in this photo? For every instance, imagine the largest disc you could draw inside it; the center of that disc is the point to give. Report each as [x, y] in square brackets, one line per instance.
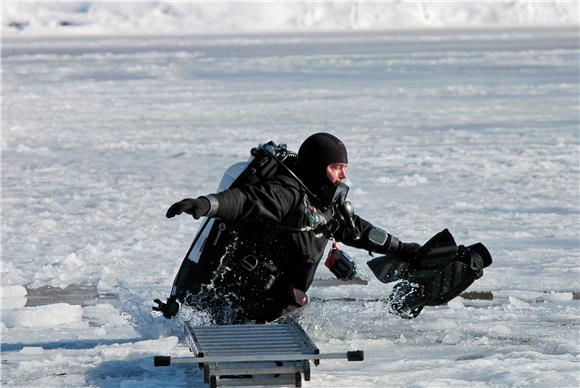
[278, 230]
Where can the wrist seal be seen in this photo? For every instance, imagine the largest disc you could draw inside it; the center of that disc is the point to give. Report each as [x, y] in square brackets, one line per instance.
[213, 204]
[392, 244]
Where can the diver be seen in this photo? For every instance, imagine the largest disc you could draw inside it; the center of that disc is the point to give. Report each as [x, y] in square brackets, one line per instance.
[265, 234]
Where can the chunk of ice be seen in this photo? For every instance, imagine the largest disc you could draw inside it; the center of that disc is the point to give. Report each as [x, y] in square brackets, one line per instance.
[43, 316]
[13, 291]
[30, 350]
[12, 303]
[500, 331]
[557, 296]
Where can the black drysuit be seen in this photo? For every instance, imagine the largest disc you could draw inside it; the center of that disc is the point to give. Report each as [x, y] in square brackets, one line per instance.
[266, 218]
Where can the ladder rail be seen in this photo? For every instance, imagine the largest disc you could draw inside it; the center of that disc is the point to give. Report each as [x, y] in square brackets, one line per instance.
[356, 355]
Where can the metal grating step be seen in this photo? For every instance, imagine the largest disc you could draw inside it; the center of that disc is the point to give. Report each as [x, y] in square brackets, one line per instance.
[253, 355]
[282, 338]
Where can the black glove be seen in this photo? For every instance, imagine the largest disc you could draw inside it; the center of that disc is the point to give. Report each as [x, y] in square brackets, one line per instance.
[168, 309]
[196, 207]
[340, 264]
[407, 251]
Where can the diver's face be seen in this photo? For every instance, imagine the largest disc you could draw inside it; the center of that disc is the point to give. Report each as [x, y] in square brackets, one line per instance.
[336, 172]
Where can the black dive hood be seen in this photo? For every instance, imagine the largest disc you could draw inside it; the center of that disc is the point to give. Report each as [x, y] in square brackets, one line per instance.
[316, 153]
[322, 195]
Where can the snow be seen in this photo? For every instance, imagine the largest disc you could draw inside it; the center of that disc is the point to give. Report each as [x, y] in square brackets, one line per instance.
[229, 17]
[475, 130]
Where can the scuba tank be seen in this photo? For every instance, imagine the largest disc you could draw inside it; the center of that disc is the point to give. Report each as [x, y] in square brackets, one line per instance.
[210, 242]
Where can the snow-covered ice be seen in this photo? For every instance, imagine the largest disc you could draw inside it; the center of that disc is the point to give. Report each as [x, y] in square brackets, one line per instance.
[473, 130]
[139, 17]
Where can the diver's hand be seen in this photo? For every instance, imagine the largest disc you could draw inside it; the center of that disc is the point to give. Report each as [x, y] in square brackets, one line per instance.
[169, 309]
[196, 207]
[407, 251]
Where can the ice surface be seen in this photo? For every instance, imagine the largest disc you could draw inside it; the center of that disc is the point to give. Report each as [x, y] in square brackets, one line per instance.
[476, 131]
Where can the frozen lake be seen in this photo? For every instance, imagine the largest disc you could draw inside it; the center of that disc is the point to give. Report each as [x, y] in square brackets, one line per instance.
[475, 131]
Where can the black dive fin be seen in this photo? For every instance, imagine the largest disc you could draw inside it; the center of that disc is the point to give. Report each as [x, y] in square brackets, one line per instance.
[434, 255]
[458, 275]
[407, 299]
[482, 251]
[388, 269]
[439, 286]
[440, 271]
[437, 252]
[448, 283]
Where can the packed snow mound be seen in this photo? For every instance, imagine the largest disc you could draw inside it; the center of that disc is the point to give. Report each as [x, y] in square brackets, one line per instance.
[165, 17]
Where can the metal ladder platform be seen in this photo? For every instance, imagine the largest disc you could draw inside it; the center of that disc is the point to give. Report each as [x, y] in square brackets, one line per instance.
[276, 354]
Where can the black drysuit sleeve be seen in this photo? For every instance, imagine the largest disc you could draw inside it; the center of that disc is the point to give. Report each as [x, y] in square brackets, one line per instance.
[346, 236]
[270, 201]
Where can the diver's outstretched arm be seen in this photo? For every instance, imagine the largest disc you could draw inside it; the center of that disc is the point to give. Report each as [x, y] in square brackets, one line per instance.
[196, 207]
[374, 239]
